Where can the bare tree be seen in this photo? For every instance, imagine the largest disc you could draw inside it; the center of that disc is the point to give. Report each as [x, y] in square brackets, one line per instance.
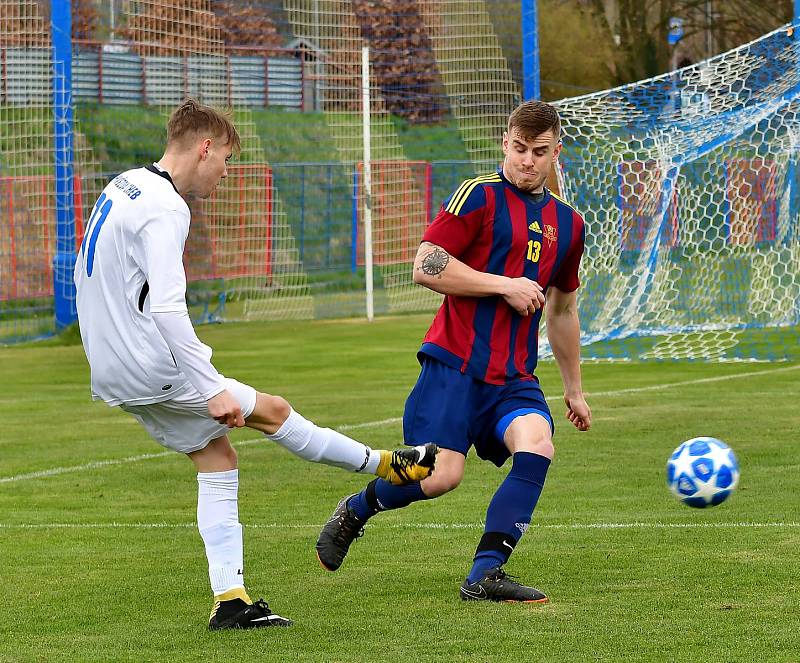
[246, 23]
[85, 19]
[730, 23]
[402, 58]
[639, 29]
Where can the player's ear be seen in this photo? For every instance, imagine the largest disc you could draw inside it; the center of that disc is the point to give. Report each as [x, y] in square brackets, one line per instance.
[205, 146]
[557, 151]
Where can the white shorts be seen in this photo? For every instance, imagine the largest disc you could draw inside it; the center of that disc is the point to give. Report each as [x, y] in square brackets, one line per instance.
[183, 423]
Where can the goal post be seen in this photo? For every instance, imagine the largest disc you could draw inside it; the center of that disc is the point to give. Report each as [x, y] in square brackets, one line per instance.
[64, 259]
[367, 169]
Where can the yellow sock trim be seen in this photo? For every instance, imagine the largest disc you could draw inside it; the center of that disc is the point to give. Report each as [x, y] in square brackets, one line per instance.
[235, 593]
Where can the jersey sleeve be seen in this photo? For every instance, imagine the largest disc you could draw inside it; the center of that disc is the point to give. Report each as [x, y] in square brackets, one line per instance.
[459, 220]
[163, 239]
[567, 279]
[191, 356]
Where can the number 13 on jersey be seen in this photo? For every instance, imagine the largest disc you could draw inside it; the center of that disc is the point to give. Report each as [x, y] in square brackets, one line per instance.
[534, 249]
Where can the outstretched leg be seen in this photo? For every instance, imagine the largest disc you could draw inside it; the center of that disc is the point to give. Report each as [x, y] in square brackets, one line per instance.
[274, 417]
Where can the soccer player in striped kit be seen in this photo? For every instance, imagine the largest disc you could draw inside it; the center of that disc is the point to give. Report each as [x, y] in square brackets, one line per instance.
[145, 356]
[502, 249]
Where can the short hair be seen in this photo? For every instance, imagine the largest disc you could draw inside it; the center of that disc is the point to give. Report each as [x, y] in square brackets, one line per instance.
[192, 117]
[533, 118]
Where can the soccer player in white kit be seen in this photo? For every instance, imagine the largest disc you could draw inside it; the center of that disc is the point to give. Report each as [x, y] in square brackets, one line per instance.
[146, 358]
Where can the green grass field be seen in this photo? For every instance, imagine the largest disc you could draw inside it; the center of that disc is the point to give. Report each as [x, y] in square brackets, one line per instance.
[100, 559]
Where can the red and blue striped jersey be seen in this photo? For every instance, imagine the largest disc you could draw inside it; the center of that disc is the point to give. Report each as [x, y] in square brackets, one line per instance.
[494, 227]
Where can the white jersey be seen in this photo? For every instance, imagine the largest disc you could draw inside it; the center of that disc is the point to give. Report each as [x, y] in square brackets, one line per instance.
[130, 266]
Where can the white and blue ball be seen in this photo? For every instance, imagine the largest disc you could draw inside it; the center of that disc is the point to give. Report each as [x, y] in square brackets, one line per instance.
[702, 472]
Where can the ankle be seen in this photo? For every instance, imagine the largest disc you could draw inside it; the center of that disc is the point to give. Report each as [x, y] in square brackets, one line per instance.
[483, 564]
[234, 593]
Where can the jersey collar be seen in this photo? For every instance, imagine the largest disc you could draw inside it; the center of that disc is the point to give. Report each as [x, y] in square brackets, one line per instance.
[537, 204]
[162, 173]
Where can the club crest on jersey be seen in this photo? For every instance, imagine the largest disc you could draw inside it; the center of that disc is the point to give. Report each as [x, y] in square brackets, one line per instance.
[550, 233]
[535, 227]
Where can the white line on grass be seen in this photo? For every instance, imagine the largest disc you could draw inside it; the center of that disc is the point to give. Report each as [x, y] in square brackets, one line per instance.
[442, 526]
[101, 463]
[616, 392]
[383, 422]
[685, 383]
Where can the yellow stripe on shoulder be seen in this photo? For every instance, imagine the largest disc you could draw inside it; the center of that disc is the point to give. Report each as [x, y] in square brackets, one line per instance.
[557, 197]
[458, 192]
[463, 192]
[466, 185]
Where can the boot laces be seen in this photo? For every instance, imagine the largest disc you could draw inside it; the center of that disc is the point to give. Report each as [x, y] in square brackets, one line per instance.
[403, 461]
[500, 574]
[262, 605]
[348, 529]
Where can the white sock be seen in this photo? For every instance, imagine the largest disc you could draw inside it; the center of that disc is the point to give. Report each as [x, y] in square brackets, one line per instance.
[218, 522]
[323, 445]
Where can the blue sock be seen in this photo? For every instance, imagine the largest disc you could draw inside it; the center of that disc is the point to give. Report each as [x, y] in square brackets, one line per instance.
[509, 512]
[380, 495]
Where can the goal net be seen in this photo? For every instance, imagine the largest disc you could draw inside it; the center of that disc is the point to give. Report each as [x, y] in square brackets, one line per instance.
[689, 186]
[688, 181]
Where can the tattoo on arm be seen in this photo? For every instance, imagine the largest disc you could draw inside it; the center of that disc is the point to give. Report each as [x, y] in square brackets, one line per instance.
[434, 263]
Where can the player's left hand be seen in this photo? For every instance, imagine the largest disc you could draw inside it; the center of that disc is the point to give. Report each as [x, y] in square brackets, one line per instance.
[578, 411]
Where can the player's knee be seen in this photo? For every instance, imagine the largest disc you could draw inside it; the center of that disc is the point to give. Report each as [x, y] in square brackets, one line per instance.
[217, 456]
[225, 453]
[541, 445]
[272, 409]
[544, 447]
[442, 481]
[229, 454]
[279, 408]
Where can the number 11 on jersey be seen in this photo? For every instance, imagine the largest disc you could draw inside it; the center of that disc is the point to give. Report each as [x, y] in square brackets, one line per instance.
[99, 214]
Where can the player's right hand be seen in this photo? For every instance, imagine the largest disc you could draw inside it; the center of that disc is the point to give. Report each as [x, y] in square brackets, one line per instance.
[225, 409]
[524, 295]
[578, 411]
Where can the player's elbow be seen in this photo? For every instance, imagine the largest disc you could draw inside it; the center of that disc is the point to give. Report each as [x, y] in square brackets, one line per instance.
[420, 275]
[427, 281]
[430, 262]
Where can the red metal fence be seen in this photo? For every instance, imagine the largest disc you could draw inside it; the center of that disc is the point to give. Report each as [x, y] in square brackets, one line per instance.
[231, 235]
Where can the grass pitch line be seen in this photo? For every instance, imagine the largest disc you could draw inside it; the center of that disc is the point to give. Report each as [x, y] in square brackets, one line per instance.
[405, 526]
[615, 392]
[55, 471]
[686, 383]
[86, 466]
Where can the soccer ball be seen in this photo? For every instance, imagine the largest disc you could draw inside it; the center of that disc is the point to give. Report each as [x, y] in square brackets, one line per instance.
[702, 472]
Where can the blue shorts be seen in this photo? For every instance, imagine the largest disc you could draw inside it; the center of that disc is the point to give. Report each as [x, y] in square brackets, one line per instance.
[457, 411]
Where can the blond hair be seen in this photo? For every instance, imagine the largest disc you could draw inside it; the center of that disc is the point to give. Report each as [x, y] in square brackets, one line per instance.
[192, 118]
